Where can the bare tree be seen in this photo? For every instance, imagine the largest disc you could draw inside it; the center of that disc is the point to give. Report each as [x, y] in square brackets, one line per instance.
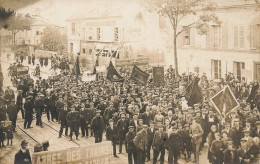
[178, 10]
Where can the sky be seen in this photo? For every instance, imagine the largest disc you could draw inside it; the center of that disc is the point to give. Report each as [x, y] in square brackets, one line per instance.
[56, 11]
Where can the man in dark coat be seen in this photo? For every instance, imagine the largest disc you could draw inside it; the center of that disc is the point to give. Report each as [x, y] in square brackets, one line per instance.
[98, 126]
[12, 111]
[150, 133]
[112, 135]
[230, 154]
[39, 107]
[33, 59]
[141, 143]
[122, 126]
[19, 102]
[174, 144]
[147, 116]
[2, 112]
[237, 135]
[83, 120]
[63, 120]
[159, 144]
[23, 155]
[28, 107]
[59, 105]
[73, 118]
[131, 148]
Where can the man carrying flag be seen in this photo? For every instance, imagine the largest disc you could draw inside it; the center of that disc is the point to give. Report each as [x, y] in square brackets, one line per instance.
[77, 68]
[193, 93]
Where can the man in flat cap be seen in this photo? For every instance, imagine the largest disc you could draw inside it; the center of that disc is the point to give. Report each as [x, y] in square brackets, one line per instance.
[230, 154]
[244, 154]
[122, 126]
[39, 107]
[159, 144]
[12, 111]
[73, 119]
[131, 148]
[23, 155]
[174, 144]
[112, 135]
[98, 125]
[28, 107]
[150, 133]
[63, 120]
[19, 102]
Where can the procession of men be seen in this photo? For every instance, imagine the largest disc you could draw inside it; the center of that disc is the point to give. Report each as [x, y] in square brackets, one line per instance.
[156, 123]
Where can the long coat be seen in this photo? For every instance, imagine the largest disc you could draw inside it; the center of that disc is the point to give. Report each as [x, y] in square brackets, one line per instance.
[160, 140]
[63, 115]
[28, 107]
[122, 126]
[131, 148]
[97, 124]
[12, 111]
[112, 134]
[141, 140]
[174, 142]
[150, 134]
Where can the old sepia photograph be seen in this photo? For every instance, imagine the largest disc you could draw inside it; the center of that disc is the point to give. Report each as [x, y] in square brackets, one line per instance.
[129, 81]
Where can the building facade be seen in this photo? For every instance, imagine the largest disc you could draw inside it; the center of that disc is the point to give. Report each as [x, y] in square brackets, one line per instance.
[32, 36]
[117, 31]
[233, 46]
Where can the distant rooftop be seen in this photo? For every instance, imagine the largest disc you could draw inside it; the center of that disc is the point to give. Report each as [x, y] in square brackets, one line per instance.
[233, 3]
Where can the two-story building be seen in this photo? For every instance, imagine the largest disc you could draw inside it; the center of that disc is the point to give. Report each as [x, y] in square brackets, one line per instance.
[32, 36]
[123, 30]
[233, 46]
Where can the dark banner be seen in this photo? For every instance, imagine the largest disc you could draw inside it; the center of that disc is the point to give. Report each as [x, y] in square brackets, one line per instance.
[224, 101]
[158, 75]
[139, 76]
[193, 93]
[113, 75]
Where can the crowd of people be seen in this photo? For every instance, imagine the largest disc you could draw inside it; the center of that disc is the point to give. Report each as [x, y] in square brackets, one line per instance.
[144, 119]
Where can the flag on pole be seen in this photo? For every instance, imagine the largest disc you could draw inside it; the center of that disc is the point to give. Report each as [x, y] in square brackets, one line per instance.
[139, 76]
[224, 101]
[113, 75]
[193, 93]
[77, 68]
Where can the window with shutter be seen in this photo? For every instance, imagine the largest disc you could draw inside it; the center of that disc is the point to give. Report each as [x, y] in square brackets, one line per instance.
[215, 36]
[98, 34]
[241, 36]
[216, 68]
[237, 69]
[253, 36]
[73, 28]
[257, 31]
[116, 34]
[235, 37]
[186, 37]
[224, 37]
